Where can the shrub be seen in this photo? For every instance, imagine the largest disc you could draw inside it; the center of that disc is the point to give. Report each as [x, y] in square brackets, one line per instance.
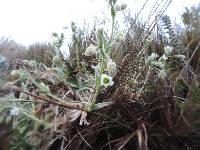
[40, 52]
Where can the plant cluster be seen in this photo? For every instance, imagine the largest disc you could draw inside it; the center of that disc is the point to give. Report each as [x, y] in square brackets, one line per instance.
[112, 92]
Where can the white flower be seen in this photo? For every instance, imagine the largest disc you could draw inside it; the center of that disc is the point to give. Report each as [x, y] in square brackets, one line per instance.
[91, 50]
[14, 111]
[162, 74]
[163, 58]
[159, 64]
[181, 57]
[154, 55]
[168, 50]
[83, 120]
[106, 80]
[120, 37]
[111, 68]
[151, 59]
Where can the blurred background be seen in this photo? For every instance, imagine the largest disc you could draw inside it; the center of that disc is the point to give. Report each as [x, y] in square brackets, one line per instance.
[32, 21]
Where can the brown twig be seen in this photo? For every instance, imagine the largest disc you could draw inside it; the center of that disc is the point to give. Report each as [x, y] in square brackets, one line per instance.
[64, 105]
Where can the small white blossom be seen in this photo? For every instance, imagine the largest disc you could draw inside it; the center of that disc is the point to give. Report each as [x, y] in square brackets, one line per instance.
[162, 74]
[168, 50]
[163, 58]
[14, 111]
[154, 55]
[83, 120]
[181, 57]
[159, 64]
[120, 37]
[151, 59]
[91, 50]
[106, 80]
[111, 68]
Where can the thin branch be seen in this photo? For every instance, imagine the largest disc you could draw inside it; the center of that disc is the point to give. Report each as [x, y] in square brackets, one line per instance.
[64, 105]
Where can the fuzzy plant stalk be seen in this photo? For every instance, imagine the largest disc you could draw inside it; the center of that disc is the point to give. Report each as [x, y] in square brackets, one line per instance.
[105, 63]
[113, 15]
[58, 42]
[99, 69]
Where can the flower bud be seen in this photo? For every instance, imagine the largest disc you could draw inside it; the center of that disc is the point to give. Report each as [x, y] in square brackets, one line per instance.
[159, 64]
[123, 6]
[55, 34]
[16, 74]
[120, 37]
[100, 35]
[168, 50]
[97, 70]
[162, 74]
[111, 68]
[163, 58]
[44, 89]
[57, 61]
[151, 59]
[91, 50]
